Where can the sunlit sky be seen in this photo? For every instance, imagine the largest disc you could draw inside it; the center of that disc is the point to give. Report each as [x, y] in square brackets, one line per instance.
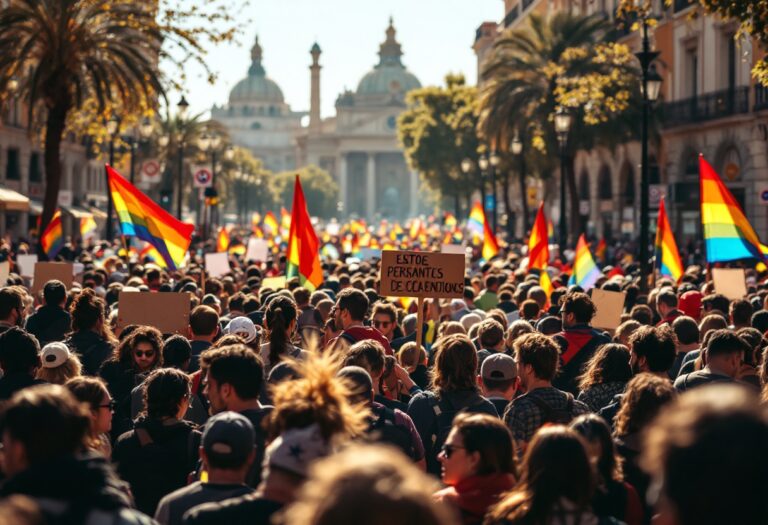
[436, 37]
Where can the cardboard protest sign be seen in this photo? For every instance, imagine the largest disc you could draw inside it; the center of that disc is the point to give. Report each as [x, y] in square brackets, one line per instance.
[217, 264]
[422, 274]
[26, 265]
[453, 248]
[730, 282]
[168, 312]
[610, 306]
[5, 271]
[47, 271]
[258, 249]
[367, 254]
[274, 283]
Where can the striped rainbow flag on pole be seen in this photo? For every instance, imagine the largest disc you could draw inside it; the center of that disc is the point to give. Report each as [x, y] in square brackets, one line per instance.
[667, 259]
[52, 239]
[585, 271]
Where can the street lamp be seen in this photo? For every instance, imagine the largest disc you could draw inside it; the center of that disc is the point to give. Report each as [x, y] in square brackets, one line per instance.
[482, 163]
[516, 146]
[113, 126]
[183, 107]
[210, 142]
[563, 122]
[650, 87]
[494, 161]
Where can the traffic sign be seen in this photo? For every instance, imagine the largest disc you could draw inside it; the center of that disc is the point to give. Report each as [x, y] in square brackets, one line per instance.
[202, 176]
[150, 171]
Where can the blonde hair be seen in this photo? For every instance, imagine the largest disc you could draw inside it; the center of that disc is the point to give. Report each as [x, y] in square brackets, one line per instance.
[368, 485]
[62, 373]
[410, 355]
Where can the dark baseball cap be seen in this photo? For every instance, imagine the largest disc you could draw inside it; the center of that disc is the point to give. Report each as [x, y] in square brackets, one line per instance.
[229, 436]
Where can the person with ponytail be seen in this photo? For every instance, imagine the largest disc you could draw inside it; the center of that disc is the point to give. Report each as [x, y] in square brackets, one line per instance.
[280, 321]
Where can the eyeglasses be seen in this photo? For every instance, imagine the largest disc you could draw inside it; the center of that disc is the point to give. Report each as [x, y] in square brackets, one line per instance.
[111, 405]
[448, 450]
[143, 353]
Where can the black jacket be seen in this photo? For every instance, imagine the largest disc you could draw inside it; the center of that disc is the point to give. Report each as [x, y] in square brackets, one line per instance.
[120, 382]
[76, 491]
[49, 323]
[155, 458]
[251, 509]
[91, 348]
[15, 381]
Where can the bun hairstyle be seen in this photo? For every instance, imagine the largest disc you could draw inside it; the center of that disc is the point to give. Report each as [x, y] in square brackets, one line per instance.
[281, 310]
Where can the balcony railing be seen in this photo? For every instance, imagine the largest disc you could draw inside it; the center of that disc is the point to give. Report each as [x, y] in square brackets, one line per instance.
[679, 5]
[761, 97]
[709, 106]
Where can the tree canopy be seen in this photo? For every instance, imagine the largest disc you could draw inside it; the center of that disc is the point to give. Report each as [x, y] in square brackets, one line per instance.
[320, 190]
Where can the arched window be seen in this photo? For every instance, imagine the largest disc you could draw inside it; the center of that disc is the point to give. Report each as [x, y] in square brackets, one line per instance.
[691, 165]
[629, 185]
[605, 184]
[584, 185]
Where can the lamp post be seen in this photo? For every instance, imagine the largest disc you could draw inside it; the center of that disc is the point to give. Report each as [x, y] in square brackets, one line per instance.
[517, 149]
[113, 125]
[482, 163]
[466, 168]
[494, 160]
[182, 106]
[650, 87]
[562, 127]
[209, 142]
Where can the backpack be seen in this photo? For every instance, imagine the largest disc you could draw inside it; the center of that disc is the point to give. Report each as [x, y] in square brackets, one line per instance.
[555, 416]
[385, 429]
[444, 412]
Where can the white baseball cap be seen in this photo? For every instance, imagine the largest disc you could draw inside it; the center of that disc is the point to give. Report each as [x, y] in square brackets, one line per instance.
[54, 355]
[242, 326]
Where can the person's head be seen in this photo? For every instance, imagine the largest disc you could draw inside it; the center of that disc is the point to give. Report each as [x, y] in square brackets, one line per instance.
[19, 352]
[759, 321]
[58, 364]
[741, 313]
[686, 331]
[54, 293]
[41, 424]
[234, 375]
[538, 294]
[141, 350]
[228, 443]
[491, 335]
[600, 446]
[359, 383]
[203, 323]
[166, 394]
[411, 355]
[652, 349]
[625, 330]
[93, 392]
[498, 375]
[11, 306]
[706, 454]
[517, 329]
[88, 311]
[351, 307]
[725, 352]
[367, 354]
[455, 365]
[642, 313]
[715, 302]
[529, 310]
[477, 445]
[301, 296]
[666, 301]
[384, 319]
[643, 398]
[368, 485]
[537, 359]
[177, 352]
[555, 467]
[577, 308]
[610, 364]
[280, 320]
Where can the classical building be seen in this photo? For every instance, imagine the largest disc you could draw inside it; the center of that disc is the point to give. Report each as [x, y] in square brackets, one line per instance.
[710, 104]
[359, 145]
[258, 118]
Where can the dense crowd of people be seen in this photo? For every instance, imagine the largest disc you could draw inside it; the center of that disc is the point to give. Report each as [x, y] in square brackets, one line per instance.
[320, 407]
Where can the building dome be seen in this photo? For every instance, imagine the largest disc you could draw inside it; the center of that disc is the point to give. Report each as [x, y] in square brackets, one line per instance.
[390, 75]
[256, 87]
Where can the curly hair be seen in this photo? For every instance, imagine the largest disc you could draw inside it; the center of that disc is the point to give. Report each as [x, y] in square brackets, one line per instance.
[610, 364]
[141, 334]
[455, 365]
[645, 395]
[87, 309]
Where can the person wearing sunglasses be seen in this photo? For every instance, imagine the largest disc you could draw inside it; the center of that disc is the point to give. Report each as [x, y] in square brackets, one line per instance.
[136, 356]
[93, 392]
[384, 319]
[477, 465]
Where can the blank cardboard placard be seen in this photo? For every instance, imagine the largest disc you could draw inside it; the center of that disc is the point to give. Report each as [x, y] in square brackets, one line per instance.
[48, 271]
[368, 254]
[258, 250]
[217, 264]
[610, 306]
[274, 283]
[5, 271]
[26, 264]
[422, 274]
[166, 311]
[730, 282]
[453, 248]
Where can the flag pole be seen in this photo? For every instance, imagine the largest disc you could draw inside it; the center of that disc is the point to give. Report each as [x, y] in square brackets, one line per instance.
[419, 323]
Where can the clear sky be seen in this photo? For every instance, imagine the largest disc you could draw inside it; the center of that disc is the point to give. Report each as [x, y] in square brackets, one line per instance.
[436, 37]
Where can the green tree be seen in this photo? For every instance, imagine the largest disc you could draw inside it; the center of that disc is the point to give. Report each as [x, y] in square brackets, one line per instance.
[320, 190]
[560, 61]
[244, 184]
[96, 55]
[438, 131]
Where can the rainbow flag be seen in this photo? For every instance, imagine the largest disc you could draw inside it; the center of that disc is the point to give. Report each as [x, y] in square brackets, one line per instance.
[450, 221]
[602, 247]
[87, 226]
[490, 244]
[476, 221]
[237, 249]
[285, 221]
[303, 260]
[546, 283]
[222, 240]
[141, 217]
[151, 253]
[728, 236]
[667, 259]
[52, 239]
[271, 224]
[538, 242]
[585, 271]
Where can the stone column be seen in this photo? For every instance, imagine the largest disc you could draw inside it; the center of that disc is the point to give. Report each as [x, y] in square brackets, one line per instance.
[370, 187]
[414, 189]
[343, 184]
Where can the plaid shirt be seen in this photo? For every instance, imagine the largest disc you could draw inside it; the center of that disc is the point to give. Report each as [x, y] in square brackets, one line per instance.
[524, 417]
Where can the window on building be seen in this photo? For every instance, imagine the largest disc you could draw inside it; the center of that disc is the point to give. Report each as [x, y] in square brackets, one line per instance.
[692, 165]
[692, 72]
[654, 172]
[12, 169]
[731, 61]
[584, 186]
[629, 185]
[605, 186]
[35, 171]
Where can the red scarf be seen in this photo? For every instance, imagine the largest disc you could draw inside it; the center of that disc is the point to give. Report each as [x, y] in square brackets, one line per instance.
[474, 495]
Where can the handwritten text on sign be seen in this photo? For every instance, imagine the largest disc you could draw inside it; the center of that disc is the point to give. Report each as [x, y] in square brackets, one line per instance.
[422, 274]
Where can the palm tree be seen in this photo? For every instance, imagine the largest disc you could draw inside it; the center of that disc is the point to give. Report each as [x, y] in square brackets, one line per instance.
[524, 80]
[65, 53]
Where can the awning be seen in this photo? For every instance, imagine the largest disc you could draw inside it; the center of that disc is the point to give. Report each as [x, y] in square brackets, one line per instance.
[35, 207]
[77, 213]
[13, 201]
[97, 213]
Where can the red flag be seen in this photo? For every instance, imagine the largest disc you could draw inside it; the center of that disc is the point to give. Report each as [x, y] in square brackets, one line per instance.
[303, 259]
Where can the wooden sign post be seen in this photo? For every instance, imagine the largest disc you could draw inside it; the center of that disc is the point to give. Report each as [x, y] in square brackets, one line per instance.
[421, 275]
